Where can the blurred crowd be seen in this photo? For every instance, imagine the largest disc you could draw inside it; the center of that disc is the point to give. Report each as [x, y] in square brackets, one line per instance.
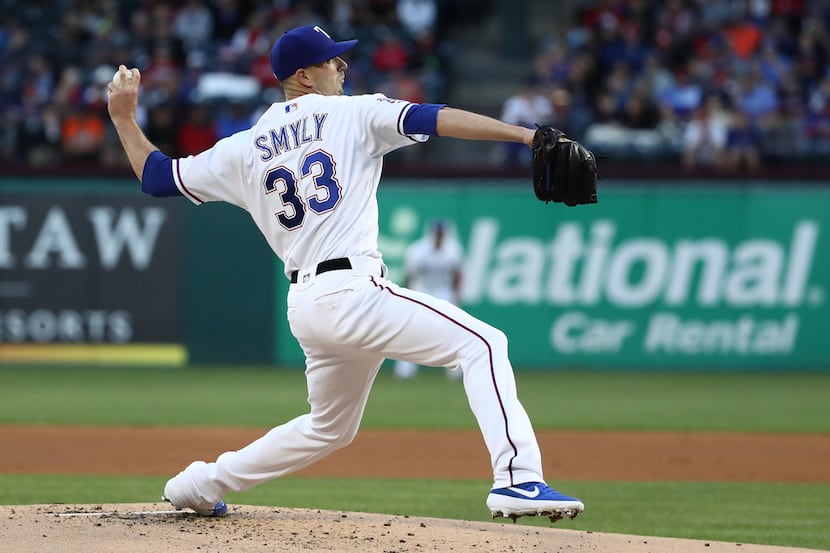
[724, 84]
[727, 84]
[204, 64]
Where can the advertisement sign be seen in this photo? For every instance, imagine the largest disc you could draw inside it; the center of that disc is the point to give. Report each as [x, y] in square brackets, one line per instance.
[90, 276]
[648, 278]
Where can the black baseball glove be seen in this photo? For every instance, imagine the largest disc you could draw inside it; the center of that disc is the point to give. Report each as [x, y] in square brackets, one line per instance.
[563, 171]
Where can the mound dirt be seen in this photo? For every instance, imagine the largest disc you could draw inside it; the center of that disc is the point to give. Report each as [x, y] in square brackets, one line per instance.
[155, 528]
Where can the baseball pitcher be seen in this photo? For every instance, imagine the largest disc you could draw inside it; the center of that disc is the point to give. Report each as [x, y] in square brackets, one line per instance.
[308, 172]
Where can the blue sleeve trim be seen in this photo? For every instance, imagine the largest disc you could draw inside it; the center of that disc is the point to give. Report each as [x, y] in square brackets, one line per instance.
[157, 177]
[421, 119]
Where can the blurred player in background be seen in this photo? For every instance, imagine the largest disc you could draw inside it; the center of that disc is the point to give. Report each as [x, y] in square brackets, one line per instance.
[433, 265]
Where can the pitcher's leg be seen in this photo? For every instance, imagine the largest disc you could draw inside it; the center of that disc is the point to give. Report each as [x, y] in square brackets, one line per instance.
[447, 336]
[491, 392]
[337, 393]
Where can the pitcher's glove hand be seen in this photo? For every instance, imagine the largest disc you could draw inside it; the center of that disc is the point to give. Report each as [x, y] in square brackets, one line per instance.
[563, 171]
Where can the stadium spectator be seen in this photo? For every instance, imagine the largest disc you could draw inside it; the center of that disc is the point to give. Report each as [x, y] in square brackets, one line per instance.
[403, 85]
[704, 138]
[639, 112]
[428, 59]
[228, 16]
[298, 12]
[163, 71]
[656, 76]
[526, 107]
[232, 118]
[162, 127]
[82, 133]
[37, 138]
[161, 23]
[787, 138]
[684, 95]
[743, 144]
[341, 17]
[670, 130]
[674, 22]
[756, 97]
[817, 123]
[567, 116]
[390, 54]
[552, 65]
[775, 66]
[250, 41]
[417, 17]
[373, 13]
[619, 83]
[606, 110]
[197, 133]
[744, 38]
[70, 88]
[193, 24]
[625, 46]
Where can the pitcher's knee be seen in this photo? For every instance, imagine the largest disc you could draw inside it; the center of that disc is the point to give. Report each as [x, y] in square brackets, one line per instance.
[494, 340]
[489, 344]
[334, 438]
[344, 439]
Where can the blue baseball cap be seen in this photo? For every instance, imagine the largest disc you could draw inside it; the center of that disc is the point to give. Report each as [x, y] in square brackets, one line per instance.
[304, 46]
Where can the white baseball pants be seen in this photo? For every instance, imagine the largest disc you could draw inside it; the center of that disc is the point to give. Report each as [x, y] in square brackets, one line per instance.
[348, 322]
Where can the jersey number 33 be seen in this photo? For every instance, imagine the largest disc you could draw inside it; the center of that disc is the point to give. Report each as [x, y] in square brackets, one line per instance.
[317, 166]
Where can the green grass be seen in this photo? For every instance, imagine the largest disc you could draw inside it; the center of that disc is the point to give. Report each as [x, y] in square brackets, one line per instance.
[777, 514]
[774, 514]
[232, 396]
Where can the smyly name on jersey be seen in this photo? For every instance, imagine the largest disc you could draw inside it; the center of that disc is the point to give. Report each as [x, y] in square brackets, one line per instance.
[291, 136]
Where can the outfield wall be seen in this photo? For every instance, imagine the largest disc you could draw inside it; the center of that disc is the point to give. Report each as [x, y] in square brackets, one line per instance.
[663, 277]
[668, 276]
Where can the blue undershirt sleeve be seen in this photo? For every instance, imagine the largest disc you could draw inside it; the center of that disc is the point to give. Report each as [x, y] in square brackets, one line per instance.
[157, 177]
[421, 119]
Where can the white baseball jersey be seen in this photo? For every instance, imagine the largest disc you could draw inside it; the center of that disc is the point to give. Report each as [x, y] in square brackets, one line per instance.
[280, 173]
[432, 270]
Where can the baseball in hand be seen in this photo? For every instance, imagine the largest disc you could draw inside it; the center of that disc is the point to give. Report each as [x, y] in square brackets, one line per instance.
[116, 79]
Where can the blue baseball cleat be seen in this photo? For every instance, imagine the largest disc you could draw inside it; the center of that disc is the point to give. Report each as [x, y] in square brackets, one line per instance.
[532, 499]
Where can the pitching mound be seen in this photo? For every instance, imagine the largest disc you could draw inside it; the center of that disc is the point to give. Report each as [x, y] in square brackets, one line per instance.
[155, 528]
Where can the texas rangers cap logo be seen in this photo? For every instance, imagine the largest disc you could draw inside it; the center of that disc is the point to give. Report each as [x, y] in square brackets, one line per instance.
[319, 30]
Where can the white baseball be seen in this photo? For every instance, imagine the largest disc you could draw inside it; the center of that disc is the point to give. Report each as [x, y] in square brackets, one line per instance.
[116, 79]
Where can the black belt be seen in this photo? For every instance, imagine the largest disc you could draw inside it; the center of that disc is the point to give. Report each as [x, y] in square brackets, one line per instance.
[326, 266]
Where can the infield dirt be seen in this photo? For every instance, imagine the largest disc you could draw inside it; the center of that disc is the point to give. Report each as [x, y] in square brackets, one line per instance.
[630, 456]
[153, 527]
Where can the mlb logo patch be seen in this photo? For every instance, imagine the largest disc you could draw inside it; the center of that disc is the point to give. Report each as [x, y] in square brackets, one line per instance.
[291, 107]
